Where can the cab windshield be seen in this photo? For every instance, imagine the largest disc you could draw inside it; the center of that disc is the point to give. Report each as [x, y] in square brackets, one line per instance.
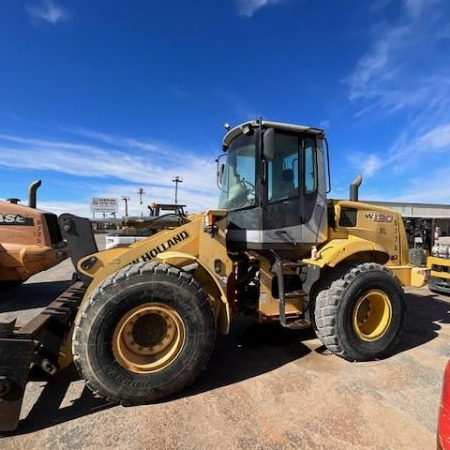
[238, 186]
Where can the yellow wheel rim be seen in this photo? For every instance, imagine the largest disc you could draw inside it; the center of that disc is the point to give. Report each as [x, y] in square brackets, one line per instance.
[148, 338]
[372, 315]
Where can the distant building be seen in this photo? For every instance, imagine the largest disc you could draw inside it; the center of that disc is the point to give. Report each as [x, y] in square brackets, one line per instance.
[433, 218]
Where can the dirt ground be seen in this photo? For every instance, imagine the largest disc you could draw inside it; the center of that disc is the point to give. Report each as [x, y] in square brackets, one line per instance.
[264, 388]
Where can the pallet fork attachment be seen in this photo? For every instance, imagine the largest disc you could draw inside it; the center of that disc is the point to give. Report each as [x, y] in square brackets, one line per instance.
[34, 345]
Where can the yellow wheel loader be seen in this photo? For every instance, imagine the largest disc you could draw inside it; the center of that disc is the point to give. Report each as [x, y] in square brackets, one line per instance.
[140, 322]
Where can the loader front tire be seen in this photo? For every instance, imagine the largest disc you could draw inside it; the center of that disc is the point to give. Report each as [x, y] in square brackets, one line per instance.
[360, 316]
[144, 335]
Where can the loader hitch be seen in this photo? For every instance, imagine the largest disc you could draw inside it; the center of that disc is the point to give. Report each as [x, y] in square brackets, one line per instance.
[34, 345]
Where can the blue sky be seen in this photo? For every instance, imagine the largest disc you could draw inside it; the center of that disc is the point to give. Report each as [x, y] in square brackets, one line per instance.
[99, 98]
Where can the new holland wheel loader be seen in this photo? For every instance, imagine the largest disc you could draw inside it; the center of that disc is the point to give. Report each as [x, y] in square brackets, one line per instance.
[140, 322]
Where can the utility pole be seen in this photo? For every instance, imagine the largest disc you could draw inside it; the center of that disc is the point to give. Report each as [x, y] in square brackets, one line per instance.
[126, 199]
[141, 192]
[176, 180]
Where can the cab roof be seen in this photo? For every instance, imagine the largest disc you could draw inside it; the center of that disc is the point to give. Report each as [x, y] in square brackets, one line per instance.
[241, 129]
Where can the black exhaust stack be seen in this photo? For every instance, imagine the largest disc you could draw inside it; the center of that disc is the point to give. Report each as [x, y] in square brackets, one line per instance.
[32, 193]
[354, 188]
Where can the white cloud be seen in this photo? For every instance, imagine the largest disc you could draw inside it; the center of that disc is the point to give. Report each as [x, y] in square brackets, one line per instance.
[248, 7]
[374, 70]
[435, 189]
[416, 7]
[194, 201]
[117, 166]
[404, 77]
[48, 11]
[121, 161]
[412, 149]
[325, 124]
[366, 165]
[438, 138]
[79, 209]
[406, 65]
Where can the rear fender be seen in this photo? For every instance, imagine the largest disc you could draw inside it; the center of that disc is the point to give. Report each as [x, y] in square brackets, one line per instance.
[207, 280]
[338, 250]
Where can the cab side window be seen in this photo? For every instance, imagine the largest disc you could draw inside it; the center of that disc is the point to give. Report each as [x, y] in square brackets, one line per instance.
[283, 169]
[310, 165]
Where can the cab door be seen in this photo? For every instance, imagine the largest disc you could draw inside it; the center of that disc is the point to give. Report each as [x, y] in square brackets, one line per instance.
[291, 190]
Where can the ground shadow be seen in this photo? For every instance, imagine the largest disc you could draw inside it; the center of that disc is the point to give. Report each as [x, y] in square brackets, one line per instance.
[47, 410]
[31, 295]
[250, 350]
[424, 314]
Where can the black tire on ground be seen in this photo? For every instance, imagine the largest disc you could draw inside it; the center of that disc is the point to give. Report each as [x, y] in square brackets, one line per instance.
[360, 316]
[145, 334]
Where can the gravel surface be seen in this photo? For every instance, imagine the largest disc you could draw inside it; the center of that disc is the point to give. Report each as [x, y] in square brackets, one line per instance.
[264, 388]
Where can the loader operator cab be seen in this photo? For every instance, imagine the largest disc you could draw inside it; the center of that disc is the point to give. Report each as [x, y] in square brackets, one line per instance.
[273, 186]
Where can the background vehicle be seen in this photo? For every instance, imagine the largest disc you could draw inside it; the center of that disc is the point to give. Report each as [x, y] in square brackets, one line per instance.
[439, 280]
[138, 228]
[146, 316]
[30, 239]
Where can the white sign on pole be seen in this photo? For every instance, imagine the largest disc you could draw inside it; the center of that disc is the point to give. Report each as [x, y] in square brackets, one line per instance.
[105, 205]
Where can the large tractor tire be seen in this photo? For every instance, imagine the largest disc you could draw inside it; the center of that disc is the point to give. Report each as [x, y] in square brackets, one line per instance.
[145, 334]
[360, 315]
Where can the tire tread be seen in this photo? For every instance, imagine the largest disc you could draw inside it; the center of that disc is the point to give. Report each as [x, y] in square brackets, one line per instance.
[328, 302]
[84, 319]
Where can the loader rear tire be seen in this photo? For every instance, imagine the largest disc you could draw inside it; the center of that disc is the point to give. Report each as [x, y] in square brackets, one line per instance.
[144, 335]
[360, 316]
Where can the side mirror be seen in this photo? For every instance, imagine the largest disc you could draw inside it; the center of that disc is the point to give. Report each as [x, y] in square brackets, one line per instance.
[220, 170]
[269, 144]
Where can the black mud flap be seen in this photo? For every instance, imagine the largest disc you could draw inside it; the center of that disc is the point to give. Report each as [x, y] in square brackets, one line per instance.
[77, 231]
[15, 360]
